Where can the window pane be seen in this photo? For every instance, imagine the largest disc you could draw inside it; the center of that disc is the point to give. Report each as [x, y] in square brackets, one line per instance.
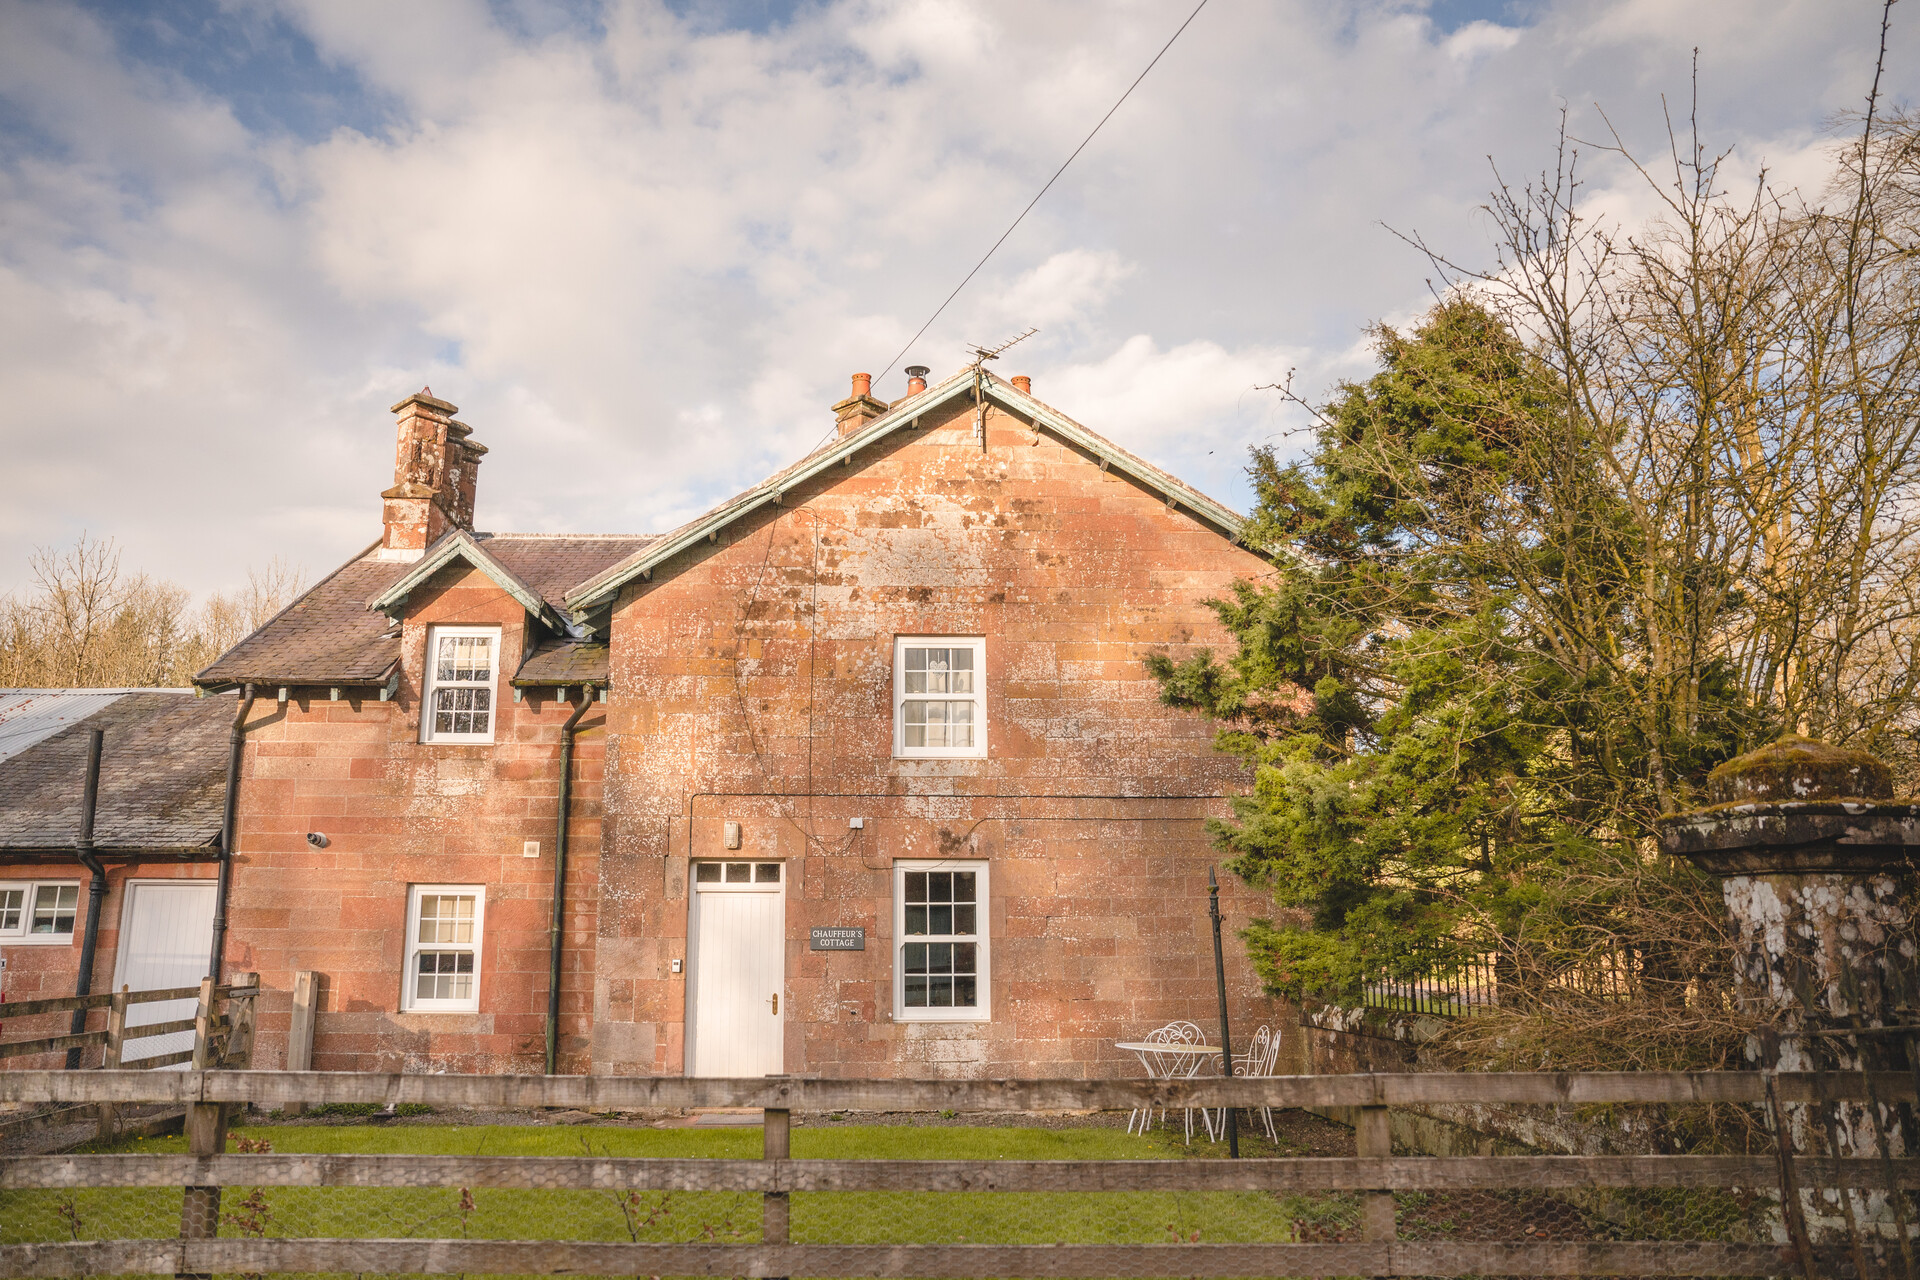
[707, 873]
[963, 890]
[913, 958]
[766, 872]
[964, 957]
[940, 920]
[916, 921]
[12, 904]
[966, 992]
[963, 920]
[914, 992]
[916, 886]
[53, 908]
[444, 668]
[443, 975]
[916, 659]
[739, 873]
[940, 992]
[940, 886]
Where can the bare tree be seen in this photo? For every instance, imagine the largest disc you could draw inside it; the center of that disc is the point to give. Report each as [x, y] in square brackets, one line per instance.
[84, 625]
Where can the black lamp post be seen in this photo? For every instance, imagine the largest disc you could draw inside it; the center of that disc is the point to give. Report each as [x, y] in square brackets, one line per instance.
[1220, 983]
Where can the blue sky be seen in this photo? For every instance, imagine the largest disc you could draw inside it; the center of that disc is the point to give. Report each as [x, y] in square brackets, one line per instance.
[643, 245]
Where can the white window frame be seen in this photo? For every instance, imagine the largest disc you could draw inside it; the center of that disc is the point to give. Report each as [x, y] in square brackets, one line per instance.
[978, 697]
[411, 1003]
[432, 683]
[21, 935]
[983, 966]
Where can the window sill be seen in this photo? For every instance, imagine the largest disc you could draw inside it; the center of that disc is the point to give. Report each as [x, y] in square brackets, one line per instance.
[922, 1015]
[39, 939]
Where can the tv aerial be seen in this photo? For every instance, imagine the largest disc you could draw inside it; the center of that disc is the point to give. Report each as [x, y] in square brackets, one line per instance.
[983, 354]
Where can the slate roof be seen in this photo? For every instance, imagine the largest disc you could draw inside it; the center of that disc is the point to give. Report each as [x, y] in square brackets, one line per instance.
[28, 715]
[163, 775]
[564, 662]
[330, 637]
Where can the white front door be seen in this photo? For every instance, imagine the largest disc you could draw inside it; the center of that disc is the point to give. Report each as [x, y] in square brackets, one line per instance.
[737, 970]
[166, 937]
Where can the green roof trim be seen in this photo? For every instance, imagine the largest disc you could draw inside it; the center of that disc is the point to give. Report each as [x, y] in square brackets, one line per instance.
[458, 544]
[599, 590]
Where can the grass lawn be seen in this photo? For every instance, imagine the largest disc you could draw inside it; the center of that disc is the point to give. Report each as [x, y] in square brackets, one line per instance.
[721, 1217]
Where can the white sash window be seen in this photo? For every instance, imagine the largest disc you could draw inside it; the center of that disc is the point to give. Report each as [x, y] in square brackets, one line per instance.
[462, 669]
[939, 702]
[444, 923]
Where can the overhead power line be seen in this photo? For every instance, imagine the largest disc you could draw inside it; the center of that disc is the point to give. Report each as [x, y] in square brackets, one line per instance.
[1043, 190]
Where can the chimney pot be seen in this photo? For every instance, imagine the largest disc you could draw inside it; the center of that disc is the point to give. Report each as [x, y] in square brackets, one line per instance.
[916, 379]
[860, 408]
[1023, 384]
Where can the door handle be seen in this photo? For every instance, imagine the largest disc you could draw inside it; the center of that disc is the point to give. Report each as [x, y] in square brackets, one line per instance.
[776, 1004]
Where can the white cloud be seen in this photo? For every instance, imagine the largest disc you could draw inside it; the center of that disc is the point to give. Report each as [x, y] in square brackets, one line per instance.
[643, 255]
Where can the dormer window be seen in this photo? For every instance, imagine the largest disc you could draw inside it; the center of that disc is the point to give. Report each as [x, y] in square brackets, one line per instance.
[462, 666]
[939, 704]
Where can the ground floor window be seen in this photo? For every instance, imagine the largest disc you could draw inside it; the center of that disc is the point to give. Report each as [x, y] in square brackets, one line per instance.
[444, 923]
[940, 941]
[38, 911]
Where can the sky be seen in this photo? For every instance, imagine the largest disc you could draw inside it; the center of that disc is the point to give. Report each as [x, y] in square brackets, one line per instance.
[643, 245]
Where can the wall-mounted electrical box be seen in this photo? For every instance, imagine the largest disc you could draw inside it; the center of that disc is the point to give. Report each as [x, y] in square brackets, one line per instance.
[733, 835]
[676, 966]
[530, 849]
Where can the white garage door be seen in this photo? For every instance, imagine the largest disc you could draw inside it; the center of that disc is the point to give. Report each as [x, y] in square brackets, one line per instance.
[166, 936]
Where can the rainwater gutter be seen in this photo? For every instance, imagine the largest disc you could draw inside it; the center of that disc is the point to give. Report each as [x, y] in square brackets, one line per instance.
[555, 929]
[236, 742]
[96, 890]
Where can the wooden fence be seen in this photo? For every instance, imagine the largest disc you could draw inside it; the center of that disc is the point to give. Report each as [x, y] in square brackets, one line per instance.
[222, 1027]
[1375, 1175]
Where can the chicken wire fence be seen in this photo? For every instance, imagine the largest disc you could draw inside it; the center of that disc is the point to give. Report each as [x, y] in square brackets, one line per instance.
[1719, 1209]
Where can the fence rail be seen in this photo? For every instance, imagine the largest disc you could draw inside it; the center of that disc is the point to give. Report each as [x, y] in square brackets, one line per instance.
[257, 1213]
[634, 1093]
[515, 1257]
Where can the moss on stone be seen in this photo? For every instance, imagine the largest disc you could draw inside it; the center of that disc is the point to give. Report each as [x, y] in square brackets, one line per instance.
[1797, 768]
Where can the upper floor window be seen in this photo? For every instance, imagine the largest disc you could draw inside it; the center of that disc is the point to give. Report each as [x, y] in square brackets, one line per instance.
[37, 912]
[939, 708]
[462, 664]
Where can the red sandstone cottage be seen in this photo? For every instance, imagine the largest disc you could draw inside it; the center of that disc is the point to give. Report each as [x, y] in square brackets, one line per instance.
[861, 773]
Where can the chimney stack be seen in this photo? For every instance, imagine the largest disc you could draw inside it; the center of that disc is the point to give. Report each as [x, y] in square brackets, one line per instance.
[916, 379]
[1023, 384]
[435, 467]
[860, 408]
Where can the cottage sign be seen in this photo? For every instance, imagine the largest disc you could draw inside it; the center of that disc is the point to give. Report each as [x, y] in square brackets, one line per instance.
[837, 939]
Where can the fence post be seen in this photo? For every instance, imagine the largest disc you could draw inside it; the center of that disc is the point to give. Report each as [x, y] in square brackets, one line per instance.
[206, 1124]
[1373, 1137]
[776, 1133]
[239, 1041]
[110, 1061]
[300, 1033]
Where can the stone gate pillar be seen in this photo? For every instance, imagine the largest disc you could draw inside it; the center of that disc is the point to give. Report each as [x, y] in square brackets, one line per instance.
[1812, 856]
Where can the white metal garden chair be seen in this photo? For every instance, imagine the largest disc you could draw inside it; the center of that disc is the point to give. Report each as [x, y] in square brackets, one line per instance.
[1262, 1058]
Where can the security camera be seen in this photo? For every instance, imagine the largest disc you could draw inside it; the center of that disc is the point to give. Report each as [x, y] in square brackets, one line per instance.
[317, 840]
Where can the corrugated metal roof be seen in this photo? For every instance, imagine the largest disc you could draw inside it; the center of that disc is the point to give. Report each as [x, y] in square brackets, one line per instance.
[28, 716]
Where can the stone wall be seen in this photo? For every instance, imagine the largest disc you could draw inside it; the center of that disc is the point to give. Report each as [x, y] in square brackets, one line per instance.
[398, 813]
[752, 683]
